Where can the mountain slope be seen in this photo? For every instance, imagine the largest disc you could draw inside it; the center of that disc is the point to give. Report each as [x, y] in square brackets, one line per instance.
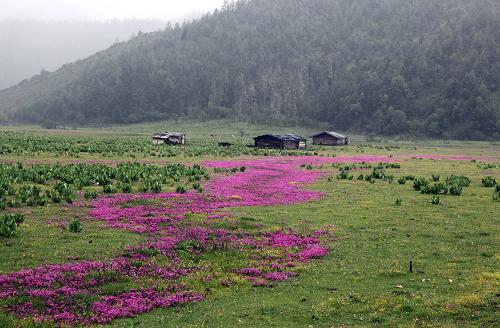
[387, 67]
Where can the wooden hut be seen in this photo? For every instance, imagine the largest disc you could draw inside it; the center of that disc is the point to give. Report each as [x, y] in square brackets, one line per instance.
[280, 141]
[169, 138]
[328, 138]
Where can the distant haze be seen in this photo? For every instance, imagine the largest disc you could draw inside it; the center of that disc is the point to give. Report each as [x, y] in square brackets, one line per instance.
[103, 9]
[40, 35]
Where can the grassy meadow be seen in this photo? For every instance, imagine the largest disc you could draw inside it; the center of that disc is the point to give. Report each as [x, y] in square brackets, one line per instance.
[378, 228]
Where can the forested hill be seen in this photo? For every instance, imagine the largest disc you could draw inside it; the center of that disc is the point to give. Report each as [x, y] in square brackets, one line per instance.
[426, 67]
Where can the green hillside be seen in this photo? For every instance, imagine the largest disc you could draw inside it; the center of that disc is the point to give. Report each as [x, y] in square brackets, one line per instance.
[386, 67]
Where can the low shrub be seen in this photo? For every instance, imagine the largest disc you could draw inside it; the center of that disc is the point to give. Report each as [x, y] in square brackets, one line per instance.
[420, 183]
[18, 217]
[458, 180]
[126, 188]
[344, 175]
[90, 194]
[65, 192]
[8, 227]
[198, 187]
[398, 202]
[378, 173]
[453, 185]
[489, 182]
[435, 189]
[456, 190]
[109, 189]
[370, 179]
[144, 187]
[75, 226]
[436, 200]
[54, 196]
[9, 223]
[388, 166]
[180, 190]
[156, 187]
[496, 195]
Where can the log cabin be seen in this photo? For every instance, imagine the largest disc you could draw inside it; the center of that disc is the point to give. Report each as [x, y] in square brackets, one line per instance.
[169, 138]
[280, 141]
[329, 138]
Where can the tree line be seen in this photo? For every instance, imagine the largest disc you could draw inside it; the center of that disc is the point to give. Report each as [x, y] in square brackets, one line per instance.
[386, 67]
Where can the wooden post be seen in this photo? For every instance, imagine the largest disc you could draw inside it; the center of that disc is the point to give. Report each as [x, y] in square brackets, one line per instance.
[411, 266]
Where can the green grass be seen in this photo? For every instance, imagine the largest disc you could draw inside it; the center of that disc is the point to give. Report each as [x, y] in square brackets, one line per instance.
[200, 134]
[363, 282]
[45, 238]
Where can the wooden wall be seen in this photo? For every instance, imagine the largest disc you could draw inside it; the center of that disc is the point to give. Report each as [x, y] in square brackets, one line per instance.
[328, 140]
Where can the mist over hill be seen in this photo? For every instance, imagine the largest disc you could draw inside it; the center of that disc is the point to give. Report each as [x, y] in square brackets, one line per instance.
[30, 46]
[387, 67]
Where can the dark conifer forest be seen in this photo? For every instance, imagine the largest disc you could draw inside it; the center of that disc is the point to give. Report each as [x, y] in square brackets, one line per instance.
[388, 67]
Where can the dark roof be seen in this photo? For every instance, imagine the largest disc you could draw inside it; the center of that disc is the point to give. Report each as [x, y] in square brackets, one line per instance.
[283, 137]
[166, 135]
[333, 134]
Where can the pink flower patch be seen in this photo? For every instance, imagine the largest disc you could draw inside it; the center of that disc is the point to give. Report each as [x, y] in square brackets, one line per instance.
[276, 276]
[313, 252]
[250, 272]
[267, 181]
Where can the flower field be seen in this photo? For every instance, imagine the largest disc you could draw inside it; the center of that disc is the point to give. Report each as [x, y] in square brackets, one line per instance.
[329, 237]
[75, 293]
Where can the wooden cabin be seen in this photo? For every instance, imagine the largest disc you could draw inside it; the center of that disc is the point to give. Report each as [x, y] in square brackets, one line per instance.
[169, 138]
[328, 138]
[280, 141]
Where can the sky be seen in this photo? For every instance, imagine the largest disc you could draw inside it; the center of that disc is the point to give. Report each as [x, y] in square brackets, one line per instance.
[46, 34]
[102, 10]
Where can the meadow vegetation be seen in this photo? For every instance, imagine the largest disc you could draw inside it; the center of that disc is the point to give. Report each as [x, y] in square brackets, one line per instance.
[97, 230]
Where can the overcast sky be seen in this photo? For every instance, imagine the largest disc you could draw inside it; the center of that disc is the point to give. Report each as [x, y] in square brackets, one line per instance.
[63, 10]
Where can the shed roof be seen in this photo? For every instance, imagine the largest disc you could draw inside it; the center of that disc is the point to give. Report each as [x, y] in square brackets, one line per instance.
[166, 135]
[283, 137]
[333, 134]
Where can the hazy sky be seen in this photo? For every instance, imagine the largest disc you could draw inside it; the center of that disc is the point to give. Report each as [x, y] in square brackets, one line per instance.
[103, 9]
